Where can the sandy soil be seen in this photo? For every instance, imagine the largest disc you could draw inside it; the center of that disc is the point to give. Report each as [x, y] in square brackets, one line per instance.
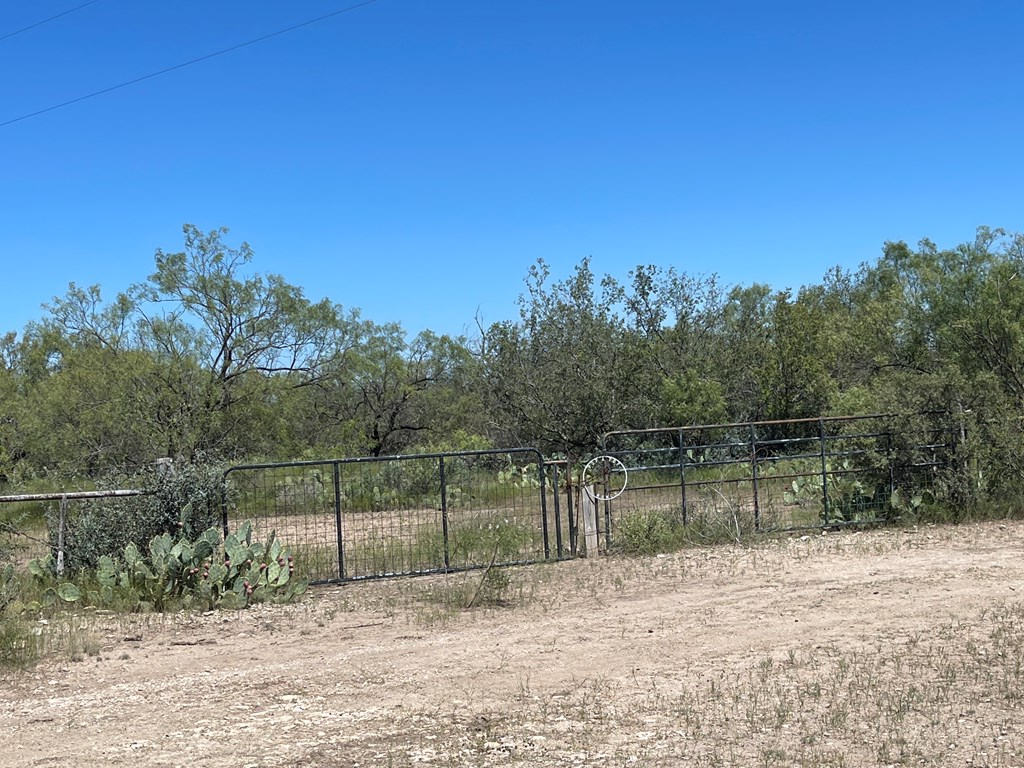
[892, 647]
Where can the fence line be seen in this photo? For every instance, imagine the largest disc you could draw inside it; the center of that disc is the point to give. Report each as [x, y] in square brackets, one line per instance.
[371, 517]
[64, 498]
[783, 474]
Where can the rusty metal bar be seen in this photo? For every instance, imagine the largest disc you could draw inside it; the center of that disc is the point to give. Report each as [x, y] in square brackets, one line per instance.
[72, 495]
[338, 521]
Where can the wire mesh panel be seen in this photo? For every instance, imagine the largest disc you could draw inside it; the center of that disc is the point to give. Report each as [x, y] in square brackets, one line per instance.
[781, 475]
[562, 507]
[297, 502]
[374, 517]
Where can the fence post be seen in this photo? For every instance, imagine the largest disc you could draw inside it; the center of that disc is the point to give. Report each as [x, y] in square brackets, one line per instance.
[570, 512]
[444, 512]
[338, 521]
[753, 477]
[589, 504]
[558, 516]
[682, 474]
[542, 477]
[60, 534]
[824, 472]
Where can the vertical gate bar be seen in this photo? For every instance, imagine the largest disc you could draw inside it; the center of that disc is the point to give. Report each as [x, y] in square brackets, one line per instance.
[682, 474]
[753, 477]
[888, 460]
[569, 511]
[605, 472]
[337, 520]
[559, 550]
[824, 472]
[444, 513]
[543, 506]
[224, 503]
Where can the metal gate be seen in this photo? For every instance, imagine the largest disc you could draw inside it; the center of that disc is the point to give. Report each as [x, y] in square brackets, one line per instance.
[374, 517]
[781, 475]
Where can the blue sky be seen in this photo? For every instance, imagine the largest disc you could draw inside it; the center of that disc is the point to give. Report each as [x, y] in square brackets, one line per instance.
[413, 158]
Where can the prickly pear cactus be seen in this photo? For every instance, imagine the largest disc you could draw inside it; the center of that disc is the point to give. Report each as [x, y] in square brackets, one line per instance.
[204, 573]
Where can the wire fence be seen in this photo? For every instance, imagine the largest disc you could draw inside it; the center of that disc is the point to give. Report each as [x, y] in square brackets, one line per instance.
[385, 516]
[360, 518]
[781, 475]
[63, 512]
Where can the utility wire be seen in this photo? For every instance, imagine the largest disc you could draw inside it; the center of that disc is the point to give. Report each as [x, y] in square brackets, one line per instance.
[188, 63]
[46, 21]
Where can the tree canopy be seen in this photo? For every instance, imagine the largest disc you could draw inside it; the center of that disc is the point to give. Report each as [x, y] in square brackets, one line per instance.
[209, 356]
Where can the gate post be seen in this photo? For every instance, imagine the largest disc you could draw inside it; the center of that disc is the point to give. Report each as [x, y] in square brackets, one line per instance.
[589, 504]
[542, 476]
[337, 521]
[60, 534]
[444, 512]
[825, 510]
[682, 475]
[558, 516]
[753, 478]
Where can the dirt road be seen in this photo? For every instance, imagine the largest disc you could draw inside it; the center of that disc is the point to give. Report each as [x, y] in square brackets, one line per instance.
[893, 647]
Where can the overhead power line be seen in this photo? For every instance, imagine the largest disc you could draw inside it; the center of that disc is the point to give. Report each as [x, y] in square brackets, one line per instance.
[188, 63]
[46, 21]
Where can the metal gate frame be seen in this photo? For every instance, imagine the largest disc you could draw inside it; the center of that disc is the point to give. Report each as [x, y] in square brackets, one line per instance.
[331, 476]
[833, 448]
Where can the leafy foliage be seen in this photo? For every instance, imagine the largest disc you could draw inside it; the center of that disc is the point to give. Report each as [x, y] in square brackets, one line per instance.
[649, 532]
[184, 502]
[208, 357]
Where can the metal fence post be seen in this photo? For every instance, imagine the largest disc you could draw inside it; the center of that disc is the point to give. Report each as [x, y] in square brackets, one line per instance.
[753, 477]
[337, 520]
[682, 474]
[544, 507]
[60, 534]
[824, 472]
[444, 513]
[888, 460]
[570, 512]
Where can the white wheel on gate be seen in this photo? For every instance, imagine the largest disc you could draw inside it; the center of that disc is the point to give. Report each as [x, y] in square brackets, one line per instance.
[604, 478]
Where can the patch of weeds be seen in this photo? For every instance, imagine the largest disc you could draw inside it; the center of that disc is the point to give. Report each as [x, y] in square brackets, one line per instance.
[19, 647]
[447, 597]
[649, 532]
[475, 541]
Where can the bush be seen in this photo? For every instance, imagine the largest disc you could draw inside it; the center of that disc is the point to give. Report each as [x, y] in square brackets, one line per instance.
[184, 502]
[649, 532]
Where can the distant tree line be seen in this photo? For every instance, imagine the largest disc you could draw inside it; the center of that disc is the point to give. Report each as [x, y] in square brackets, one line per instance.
[207, 357]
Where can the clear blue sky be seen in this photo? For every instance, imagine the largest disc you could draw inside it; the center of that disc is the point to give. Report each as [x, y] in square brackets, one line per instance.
[413, 158]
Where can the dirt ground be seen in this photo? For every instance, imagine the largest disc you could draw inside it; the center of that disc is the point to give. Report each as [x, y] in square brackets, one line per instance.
[889, 647]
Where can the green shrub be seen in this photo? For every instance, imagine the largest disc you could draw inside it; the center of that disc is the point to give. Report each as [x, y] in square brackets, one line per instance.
[649, 532]
[185, 502]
